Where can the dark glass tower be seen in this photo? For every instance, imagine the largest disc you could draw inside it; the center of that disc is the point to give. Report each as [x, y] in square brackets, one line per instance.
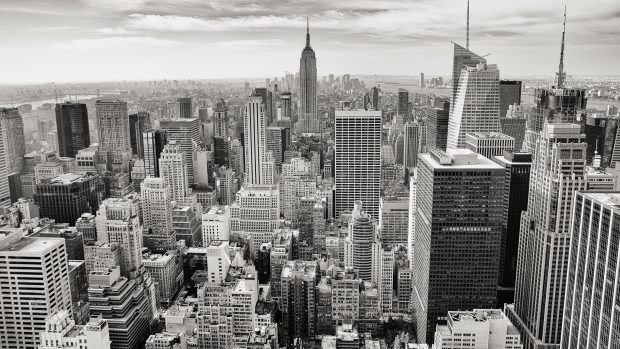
[138, 123]
[509, 94]
[72, 128]
[437, 126]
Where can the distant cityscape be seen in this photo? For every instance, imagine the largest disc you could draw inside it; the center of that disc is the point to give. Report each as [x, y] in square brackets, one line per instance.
[313, 211]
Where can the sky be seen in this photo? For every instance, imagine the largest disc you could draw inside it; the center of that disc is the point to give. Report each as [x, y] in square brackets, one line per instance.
[101, 40]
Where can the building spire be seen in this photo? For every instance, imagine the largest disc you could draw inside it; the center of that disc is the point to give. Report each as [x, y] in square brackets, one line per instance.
[467, 39]
[307, 32]
[561, 74]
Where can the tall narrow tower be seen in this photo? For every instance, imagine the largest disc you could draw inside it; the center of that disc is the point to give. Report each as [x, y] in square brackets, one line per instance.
[308, 118]
[561, 74]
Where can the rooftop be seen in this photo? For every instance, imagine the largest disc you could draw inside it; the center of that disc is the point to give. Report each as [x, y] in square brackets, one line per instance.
[30, 246]
[458, 159]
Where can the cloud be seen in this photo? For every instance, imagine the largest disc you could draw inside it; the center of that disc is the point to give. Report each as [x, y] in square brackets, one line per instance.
[58, 29]
[247, 44]
[116, 43]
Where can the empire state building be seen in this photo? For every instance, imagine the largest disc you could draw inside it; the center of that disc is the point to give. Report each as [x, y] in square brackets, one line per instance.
[308, 118]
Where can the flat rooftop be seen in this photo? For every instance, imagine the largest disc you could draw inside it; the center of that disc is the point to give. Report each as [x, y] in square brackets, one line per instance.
[460, 159]
[31, 246]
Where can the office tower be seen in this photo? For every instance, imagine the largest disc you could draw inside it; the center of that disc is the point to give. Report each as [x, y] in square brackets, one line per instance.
[183, 108]
[281, 252]
[5, 192]
[411, 144]
[446, 183]
[437, 126]
[218, 261]
[382, 273]
[72, 128]
[259, 165]
[74, 242]
[186, 133]
[298, 283]
[121, 302]
[555, 105]
[154, 143]
[157, 205]
[374, 98]
[186, 225]
[393, 219]
[227, 185]
[118, 222]
[601, 136]
[256, 212]
[403, 103]
[287, 107]
[113, 126]
[163, 271]
[516, 185]
[34, 283]
[173, 169]
[61, 332]
[589, 310]
[345, 296]
[358, 160]
[476, 106]
[403, 284]
[480, 328]
[308, 116]
[101, 256]
[558, 170]
[78, 284]
[15, 186]
[46, 170]
[220, 117]
[216, 224]
[66, 197]
[422, 81]
[509, 94]
[86, 225]
[12, 126]
[361, 235]
[277, 140]
[462, 57]
[514, 124]
[138, 124]
[489, 144]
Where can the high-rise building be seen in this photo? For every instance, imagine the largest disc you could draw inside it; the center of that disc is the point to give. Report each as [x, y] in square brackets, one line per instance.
[514, 124]
[476, 104]
[480, 328]
[220, 117]
[186, 225]
[422, 81]
[12, 126]
[138, 124]
[374, 98]
[118, 222]
[72, 128]
[509, 94]
[554, 105]
[277, 140]
[298, 283]
[287, 107]
[358, 160]
[154, 143]
[122, 303]
[183, 108]
[558, 170]
[163, 270]
[5, 191]
[113, 127]
[308, 113]
[34, 284]
[462, 57]
[411, 144]
[362, 231]
[516, 185]
[590, 310]
[393, 219]
[403, 103]
[218, 261]
[257, 160]
[216, 224]
[437, 126]
[256, 213]
[61, 332]
[186, 132]
[157, 205]
[447, 184]
[489, 144]
[602, 138]
[173, 169]
[66, 197]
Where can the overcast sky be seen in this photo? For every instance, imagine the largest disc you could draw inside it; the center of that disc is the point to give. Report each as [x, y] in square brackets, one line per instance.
[80, 40]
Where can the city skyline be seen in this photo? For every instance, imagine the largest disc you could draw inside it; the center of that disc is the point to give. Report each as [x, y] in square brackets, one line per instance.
[89, 40]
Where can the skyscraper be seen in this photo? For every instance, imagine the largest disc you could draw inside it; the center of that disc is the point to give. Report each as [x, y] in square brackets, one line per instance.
[173, 170]
[113, 126]
[138, 124]
[411, 145]
[72, 128]
[509, 94]
[186, 132]
[298, 283]
[183, 108]
[287, 107]
[437, 126]
[602, 138]
[5, 192]
[558, 170]
[308, 117]
[255, 144]
[358, 160]
[154, 142]
[403, 103]
[590, 311]
[459, 213]
[157, 205]
[362, 230]
[462, 57]
[34, 284]
[476, 104]
[12, 126]
[374, 98]
[220, 117]
[516, 185]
